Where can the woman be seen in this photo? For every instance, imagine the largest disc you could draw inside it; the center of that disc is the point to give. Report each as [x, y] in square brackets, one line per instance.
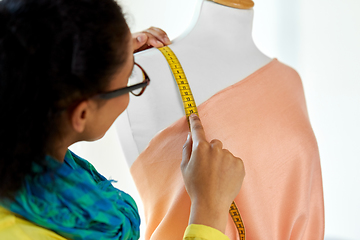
[64, 71]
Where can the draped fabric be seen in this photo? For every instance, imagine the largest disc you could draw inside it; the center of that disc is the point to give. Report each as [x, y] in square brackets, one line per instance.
[263, 119]
[75, 201]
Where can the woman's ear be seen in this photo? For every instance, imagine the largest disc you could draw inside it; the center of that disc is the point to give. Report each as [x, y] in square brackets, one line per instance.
[79, 116]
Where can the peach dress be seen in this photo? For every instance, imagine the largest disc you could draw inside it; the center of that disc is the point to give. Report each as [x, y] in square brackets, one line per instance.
[262, 119]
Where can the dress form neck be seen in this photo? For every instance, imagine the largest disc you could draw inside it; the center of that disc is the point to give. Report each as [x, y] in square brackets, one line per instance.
[223, 26]
[241, 4]
[216, 51]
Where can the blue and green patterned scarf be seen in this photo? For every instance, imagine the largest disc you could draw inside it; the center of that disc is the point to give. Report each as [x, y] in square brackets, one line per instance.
[77, 202]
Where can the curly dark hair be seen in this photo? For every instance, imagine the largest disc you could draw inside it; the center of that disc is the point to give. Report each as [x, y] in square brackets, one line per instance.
[52, 54]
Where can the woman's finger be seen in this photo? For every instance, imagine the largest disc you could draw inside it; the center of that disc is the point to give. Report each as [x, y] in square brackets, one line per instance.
[215, 143]
[139, 40]
[159, 34]
[152, 37]
[197, 130]
[153, 41]
[143, 41]
[187, 148]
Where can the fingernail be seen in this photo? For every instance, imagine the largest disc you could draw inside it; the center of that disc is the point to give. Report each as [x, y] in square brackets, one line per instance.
[141, 38]
[193, 115]
[188, 137]
[160, 43]
[167, 40]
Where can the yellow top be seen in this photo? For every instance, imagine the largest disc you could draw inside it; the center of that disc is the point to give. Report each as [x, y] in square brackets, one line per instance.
[13, 226]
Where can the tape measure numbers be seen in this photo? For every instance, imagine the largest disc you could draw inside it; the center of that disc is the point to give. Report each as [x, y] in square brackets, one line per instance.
[190, 108]
[183, 85]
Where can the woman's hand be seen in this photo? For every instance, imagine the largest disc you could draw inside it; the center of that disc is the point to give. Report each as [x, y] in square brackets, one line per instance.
[152, 37]
[212, 176]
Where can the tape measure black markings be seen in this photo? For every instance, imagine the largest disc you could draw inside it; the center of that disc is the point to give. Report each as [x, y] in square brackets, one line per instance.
[190, 108]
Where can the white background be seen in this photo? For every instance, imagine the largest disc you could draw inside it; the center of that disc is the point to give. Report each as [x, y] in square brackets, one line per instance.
[321, 40]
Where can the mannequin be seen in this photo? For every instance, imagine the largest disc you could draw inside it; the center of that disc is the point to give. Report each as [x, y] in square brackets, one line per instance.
[218, 34]
[253, 104]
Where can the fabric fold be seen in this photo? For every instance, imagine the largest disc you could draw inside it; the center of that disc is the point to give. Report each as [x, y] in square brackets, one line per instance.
[263, 120]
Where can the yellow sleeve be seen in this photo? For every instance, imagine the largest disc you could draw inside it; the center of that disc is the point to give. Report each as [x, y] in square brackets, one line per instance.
[202, 232]
[13, 226]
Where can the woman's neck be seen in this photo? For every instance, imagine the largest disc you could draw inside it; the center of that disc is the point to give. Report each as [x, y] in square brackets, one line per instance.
[59, 144]
[220, 25]
[58, 151]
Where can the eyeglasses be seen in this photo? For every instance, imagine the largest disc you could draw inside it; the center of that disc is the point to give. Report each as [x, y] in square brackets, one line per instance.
[136, 84]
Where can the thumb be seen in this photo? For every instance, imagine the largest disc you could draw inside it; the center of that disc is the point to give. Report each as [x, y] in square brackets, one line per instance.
[186, 151]
[139, 39]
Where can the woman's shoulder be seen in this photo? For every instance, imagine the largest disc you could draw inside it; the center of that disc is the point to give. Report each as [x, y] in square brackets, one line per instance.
[13, 226]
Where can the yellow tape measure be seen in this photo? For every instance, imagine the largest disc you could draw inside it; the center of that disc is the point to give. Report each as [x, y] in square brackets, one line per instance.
[184, 88]
[190, 108]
